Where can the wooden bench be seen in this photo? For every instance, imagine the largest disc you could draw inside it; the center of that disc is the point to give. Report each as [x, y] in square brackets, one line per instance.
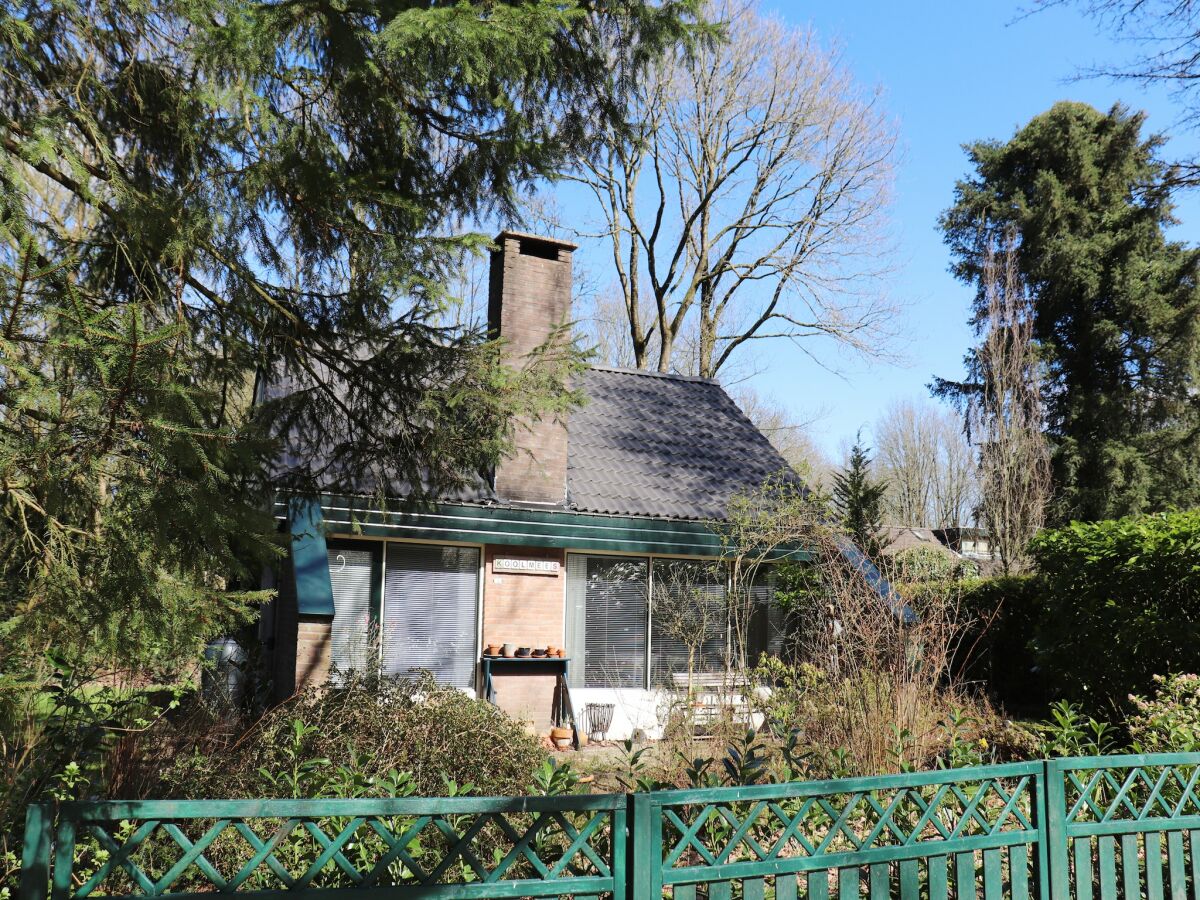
[714, 695]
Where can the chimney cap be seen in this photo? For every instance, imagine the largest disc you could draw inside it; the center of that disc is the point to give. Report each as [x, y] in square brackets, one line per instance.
[527, 236]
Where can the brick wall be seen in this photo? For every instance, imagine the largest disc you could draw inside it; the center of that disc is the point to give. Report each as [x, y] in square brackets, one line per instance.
[526, 610]
[300, 650]
[313, 634]
[530, 296]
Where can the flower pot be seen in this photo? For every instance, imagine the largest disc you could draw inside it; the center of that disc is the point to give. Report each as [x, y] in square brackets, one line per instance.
[560, 734]
[509, 650]
[523, 652]
[491, 650]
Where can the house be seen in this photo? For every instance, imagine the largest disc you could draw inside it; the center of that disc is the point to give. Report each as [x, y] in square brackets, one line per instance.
[970, 548]
[573, 542]
[897, 538]
[970, 543]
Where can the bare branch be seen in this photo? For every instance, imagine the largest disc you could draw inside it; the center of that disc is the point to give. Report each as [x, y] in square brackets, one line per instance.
[768, 175]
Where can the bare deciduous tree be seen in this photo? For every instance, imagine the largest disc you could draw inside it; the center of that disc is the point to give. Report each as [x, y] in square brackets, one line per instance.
[923, 454]
[1002, 400]
[749, 203]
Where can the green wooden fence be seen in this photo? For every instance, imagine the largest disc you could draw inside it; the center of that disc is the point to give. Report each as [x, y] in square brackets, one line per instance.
[1091, 829]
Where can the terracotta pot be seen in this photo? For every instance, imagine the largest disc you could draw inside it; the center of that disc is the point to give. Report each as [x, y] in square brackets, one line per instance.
[560, 734]
[563, 744]
[562, 654]
[491, 650]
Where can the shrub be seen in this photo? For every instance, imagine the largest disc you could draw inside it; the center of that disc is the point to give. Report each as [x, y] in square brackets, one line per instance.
[1169, 722]
[373, 727]
[874, 688]
[1003, 613]
[1122, 602]
[914, 565]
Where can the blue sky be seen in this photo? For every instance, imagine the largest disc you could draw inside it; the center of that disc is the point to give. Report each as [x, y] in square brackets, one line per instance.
[951, 72]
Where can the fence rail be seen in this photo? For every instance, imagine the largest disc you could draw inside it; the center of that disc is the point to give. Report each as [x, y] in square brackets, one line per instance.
[1070, 829]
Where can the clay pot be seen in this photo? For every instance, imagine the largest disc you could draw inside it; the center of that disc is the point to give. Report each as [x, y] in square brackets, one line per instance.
[551, 650]
[562, 654]
[491, 650]
[561, 737]
[538, 653]
[523, 652]
[509, 650]
[563, 744]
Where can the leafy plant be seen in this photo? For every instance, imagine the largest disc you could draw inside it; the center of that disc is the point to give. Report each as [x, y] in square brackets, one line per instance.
[1168, 722]
[1071, 733]
[635, 775]
[745, 759]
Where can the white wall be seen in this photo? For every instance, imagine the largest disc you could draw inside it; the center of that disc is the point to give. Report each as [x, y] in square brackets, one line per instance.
[633, 708]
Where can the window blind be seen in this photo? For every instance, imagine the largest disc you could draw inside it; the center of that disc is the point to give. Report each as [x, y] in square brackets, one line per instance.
[606, 620]
[430, 604]
[350, 638]
[688, 615]
[767, 623]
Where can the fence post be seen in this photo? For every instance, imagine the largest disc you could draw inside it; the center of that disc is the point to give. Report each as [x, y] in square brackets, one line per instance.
[619, 817]
[35, 855]
[643, 860]
[1054, 832]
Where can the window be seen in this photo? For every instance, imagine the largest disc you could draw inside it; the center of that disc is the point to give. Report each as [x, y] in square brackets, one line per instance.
[423, 616]
[353, 573]
[689, 619]
[606, 620]
[767, 631]
[430, 606]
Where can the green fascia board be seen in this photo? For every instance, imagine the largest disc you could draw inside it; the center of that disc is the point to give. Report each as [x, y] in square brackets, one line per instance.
[310, 558]
[474, 524]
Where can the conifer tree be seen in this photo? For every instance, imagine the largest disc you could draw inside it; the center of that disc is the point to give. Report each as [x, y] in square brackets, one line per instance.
[194, 192]
[1115, 304]
[858, 500]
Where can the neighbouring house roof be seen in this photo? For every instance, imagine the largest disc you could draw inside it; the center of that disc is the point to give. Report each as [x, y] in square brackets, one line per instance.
[895, 538]
[667, 446]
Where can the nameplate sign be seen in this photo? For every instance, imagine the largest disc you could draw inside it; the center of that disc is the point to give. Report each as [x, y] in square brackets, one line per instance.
[526, 566]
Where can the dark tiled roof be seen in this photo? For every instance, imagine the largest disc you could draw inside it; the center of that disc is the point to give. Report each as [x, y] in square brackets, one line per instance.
[660, 445]
[643, 444]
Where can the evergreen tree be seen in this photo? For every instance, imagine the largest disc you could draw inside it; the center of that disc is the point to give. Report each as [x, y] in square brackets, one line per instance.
[858, 501]
[196, 191]
[1115, 304]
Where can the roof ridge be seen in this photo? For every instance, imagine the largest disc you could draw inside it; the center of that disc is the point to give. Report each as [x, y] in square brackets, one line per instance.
[671, 376]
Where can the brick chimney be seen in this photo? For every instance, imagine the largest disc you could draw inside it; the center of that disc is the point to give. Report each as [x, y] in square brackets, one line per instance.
[529, 295]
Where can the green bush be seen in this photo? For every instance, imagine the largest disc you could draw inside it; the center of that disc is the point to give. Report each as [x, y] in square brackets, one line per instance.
[1004, 613]
[999, 616]
[922, 564]
[1169, 722]
[1122, 602]
[368, 728]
